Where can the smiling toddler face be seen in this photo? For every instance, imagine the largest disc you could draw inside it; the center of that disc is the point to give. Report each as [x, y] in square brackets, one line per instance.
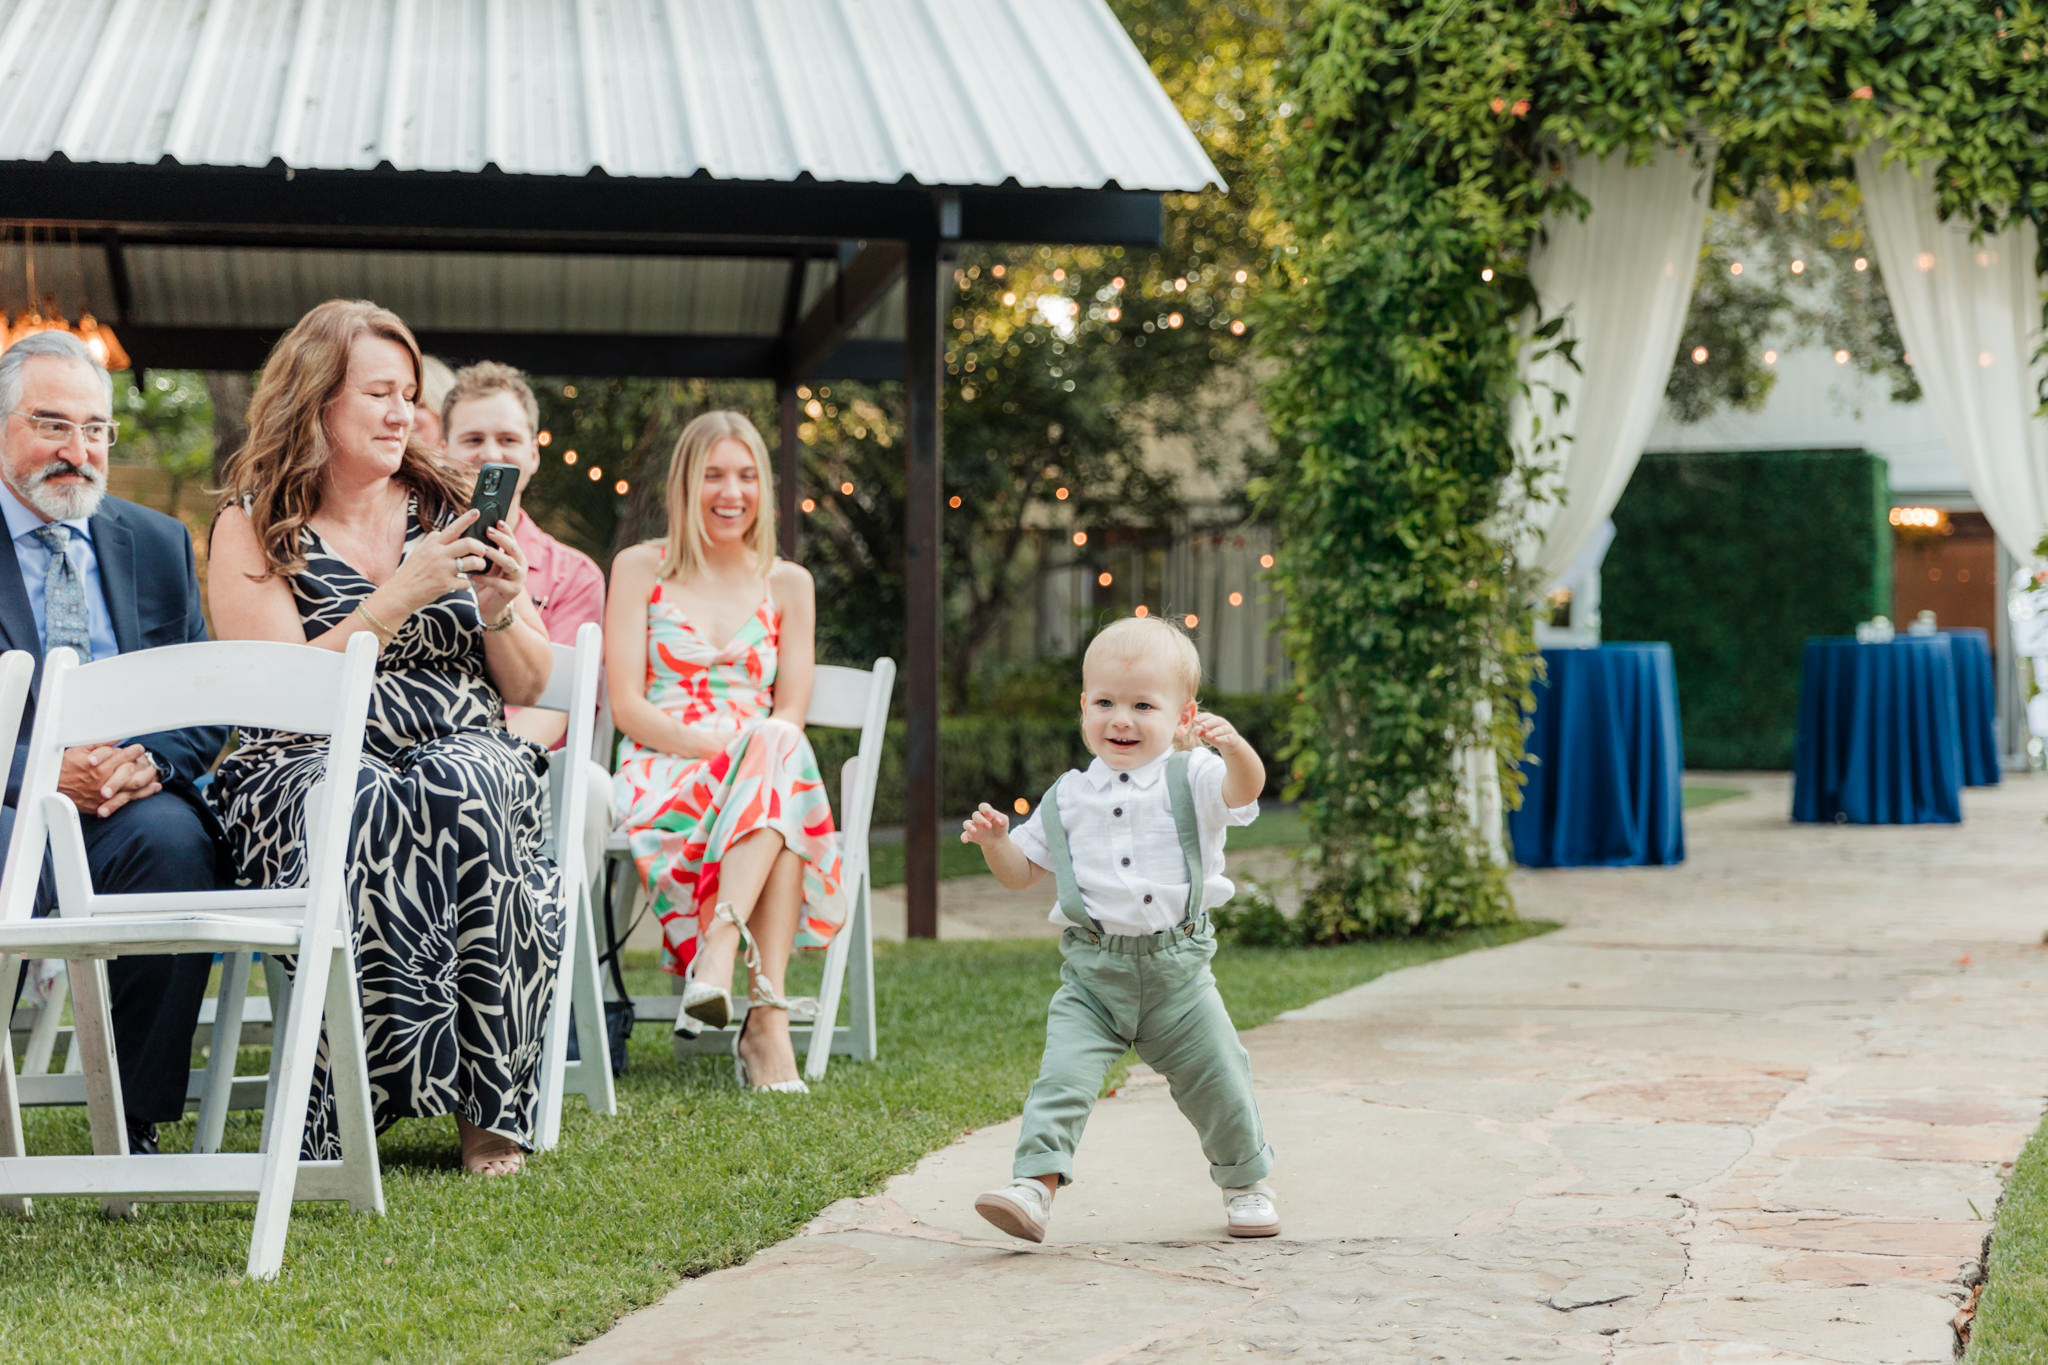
[1131, 708]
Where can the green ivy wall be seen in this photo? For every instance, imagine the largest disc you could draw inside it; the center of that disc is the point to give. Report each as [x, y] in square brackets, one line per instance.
[1735, 559]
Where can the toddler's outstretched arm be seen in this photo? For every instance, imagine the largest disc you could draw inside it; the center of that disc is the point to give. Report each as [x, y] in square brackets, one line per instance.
[1244, 776]
[990, 828]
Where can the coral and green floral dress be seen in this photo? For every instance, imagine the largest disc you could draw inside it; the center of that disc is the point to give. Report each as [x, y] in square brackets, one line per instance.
[682, 814]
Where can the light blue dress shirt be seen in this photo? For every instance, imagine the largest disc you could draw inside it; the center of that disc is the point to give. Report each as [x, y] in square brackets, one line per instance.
[34, 558]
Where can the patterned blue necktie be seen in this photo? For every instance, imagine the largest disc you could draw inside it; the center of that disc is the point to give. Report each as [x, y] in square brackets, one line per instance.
[64, 617]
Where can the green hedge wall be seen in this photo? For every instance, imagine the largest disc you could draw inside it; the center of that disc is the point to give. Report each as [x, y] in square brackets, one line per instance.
[1735, 558]
[1000, 758]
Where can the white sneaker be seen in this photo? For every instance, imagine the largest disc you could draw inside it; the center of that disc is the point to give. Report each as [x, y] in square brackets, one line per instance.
[1252, 1211]
[1021, 1208]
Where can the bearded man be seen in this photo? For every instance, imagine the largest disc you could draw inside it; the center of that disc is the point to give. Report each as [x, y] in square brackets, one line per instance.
[104, 577]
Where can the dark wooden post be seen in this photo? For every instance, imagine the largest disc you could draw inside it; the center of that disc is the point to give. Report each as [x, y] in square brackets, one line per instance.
[788, 470]
[923, 357]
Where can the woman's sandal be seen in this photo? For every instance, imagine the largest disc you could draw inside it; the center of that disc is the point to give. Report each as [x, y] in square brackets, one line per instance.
[705, 1005]
[760, 996]
[493, 1150]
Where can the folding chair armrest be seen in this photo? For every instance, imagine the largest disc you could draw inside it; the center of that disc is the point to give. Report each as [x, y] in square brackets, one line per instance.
[67, 853]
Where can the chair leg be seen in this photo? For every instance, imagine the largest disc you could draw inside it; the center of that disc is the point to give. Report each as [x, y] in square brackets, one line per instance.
[593, 1078]
[351, 1080]
[220, 1060]
[293, 1051]
[93, 1038]
[554, 1046]
[277, 983]
[11, 1143]
[863, 973]
[829, 991]
[42, 1039]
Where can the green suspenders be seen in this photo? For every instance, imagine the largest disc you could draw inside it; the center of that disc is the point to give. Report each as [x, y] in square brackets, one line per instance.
[1182, 796]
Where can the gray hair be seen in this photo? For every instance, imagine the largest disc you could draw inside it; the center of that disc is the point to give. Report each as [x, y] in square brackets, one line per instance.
[62, 346]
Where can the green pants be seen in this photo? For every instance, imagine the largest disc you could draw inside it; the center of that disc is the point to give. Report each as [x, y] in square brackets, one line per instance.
[1156, 994]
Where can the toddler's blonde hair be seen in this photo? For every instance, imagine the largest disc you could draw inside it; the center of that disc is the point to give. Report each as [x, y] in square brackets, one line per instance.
[1151, 639]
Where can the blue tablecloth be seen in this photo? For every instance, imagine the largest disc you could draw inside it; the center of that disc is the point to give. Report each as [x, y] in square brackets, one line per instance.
[1976, 705]
[1604, 789]
[1879, 742]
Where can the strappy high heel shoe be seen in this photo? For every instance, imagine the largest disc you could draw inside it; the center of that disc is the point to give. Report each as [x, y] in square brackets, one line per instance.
[760, 996]
[705, 1005]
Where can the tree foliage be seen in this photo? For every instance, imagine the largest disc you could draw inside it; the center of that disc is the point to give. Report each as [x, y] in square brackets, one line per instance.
[1422, 151]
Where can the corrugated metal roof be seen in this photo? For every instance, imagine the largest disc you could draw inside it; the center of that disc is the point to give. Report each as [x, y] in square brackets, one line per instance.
[1050, 93]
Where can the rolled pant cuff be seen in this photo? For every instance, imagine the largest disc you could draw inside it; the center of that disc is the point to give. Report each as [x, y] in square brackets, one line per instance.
[1032, 1167]
[1244, 1172]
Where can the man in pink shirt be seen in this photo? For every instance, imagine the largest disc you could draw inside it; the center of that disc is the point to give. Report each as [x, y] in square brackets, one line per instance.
[491, 415]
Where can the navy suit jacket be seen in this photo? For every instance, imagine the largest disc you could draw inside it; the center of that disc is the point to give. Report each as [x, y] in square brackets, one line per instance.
[145, 563]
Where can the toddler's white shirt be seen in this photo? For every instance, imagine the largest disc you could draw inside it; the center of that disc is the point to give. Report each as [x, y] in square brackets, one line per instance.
[1127, 859]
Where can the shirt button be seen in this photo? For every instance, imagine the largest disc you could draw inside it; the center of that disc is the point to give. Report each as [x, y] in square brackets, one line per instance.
[1123, 777]
[1118, 811]
[1127, 862]
[1148, 900]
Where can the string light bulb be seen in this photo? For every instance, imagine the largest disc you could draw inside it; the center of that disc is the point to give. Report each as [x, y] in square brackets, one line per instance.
[1114, 313]
[1770, 357]
[810, 505]
[1141, 611]
[1799, 267]
[1841, 357]
[1735, 267]
[622, 488]
[544, 438]
[1192, 620]
[1699, 355]
[1486, 275]
[568, 457]
[596, 472]
[1104, 579]
[1265, 561]
[1242, 276]
[1237, 327]
[1237, 599]
[1021, 806]
[1060, 493]
[1080, 537]
[1174, 319]
[1862, 263]
[954, 501]
[847, 488]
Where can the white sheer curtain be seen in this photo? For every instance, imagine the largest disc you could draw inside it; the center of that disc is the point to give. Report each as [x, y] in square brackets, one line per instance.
[1969, 313]
[1622, 278]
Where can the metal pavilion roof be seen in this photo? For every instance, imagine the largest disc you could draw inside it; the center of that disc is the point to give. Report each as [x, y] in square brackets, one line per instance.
[620, 186]
[1042, 93]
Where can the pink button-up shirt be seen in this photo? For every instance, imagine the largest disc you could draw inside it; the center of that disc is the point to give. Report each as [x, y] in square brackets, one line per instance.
[565, 584]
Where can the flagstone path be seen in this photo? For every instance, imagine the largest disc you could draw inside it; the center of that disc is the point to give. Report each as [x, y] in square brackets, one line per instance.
[1755, 1108]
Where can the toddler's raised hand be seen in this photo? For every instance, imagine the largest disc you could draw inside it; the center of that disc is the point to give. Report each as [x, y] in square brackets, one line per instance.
[1217, 732]
[987, 826]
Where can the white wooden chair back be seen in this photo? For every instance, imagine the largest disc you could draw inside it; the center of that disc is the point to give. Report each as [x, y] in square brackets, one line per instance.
[295, 688]
[17, 673]
[573, 689]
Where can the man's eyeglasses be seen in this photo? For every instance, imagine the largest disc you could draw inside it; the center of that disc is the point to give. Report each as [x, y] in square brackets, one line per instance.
[57, 430]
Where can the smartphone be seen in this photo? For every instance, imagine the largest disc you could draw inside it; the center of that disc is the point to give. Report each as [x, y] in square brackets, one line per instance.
[496, 486]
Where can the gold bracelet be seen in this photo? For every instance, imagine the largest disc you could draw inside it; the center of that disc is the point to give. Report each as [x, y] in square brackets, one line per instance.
[363, 610]
[511, 614]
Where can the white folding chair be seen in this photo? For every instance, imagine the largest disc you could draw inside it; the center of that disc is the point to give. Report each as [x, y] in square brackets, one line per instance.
[274, 686]
[572, 689]
[841, 698]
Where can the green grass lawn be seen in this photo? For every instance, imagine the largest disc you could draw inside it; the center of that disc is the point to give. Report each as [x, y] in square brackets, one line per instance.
[2012, 1317]
[690, 1176]
[1702, 794]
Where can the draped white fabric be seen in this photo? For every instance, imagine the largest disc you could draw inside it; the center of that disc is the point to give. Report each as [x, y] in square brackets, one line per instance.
[1622, 278]
[1970, 316]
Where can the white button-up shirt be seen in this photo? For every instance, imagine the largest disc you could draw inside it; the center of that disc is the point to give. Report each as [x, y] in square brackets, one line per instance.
[1127, 859]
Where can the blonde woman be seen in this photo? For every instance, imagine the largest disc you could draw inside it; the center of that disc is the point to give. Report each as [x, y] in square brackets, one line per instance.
[710, 642]
[337, 521]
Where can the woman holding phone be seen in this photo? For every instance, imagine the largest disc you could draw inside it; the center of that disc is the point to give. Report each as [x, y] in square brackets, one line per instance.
[336, 521]
[709, 646]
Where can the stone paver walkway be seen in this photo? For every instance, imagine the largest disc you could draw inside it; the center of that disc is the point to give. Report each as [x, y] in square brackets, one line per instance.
[1751, 1109]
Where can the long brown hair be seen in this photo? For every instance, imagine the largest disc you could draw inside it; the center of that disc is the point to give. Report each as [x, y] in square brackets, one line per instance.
[276, 473]
[686, 533]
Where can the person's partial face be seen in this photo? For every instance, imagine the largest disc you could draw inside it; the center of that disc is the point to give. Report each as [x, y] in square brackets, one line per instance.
[493, 429]
[426, 427]
[1131, 709]
[371, 416]
[60, 479]
[731, 497]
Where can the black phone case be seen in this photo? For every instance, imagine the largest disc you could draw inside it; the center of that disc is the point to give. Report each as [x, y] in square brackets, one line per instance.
[496, 485]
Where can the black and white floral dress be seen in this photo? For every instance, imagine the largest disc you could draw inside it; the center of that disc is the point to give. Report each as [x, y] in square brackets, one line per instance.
[458, 927]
